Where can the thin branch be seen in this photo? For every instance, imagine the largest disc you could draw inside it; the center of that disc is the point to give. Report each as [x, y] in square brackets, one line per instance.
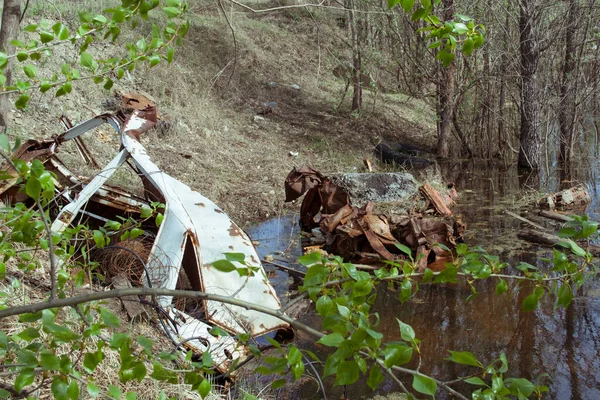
[50, 251]
[235, 43]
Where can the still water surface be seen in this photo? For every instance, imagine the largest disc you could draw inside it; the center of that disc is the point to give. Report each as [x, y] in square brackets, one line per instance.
[561, 348]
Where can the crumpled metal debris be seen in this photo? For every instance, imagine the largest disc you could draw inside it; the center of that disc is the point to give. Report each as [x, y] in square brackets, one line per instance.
[194, 233]
[360, 235]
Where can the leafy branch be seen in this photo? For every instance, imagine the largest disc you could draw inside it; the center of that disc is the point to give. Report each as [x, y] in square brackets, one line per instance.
[94, 28]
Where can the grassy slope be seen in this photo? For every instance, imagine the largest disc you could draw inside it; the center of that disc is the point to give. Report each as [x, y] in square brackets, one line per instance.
[215, 146]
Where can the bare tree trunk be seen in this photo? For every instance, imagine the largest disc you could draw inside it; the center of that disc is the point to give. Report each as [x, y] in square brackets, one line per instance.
[8, 32]
[356, 58]
[530, 132]
[502, 96]
[445, 96]
[566, 109]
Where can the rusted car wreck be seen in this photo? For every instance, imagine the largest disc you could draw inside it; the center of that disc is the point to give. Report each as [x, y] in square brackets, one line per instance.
[194, 233]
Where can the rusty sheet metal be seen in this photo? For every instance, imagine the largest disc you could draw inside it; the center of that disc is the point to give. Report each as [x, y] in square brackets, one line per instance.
[577, 196]
[359, 234]
[191, 218]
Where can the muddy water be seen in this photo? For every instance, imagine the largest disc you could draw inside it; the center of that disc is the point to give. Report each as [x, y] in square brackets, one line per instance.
[561, 348]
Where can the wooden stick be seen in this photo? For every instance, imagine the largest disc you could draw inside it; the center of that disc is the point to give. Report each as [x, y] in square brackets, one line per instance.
[555, 216]
[512, 214]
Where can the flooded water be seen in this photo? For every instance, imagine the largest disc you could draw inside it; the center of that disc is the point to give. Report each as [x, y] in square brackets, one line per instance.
[561, 348]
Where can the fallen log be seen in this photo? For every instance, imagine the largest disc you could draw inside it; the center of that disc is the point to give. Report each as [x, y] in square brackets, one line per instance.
[551, 240]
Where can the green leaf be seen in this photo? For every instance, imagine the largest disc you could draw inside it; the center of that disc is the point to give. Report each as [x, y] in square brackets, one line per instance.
[21, 103]
[33, 188]
[425, 385]
[60, 31]
[564, 296]
[464, 357]
[171, 12]
[460, 28]
[224, 266]
[476, 381]
[405, 290]
[531, 302]
[109, 319]
[520, 386]
[22, 56]
[427, 276]
[49, 361]
[324, 305]
[468, 47]
[343, 310]
[100, 18]
[393, 3]
[501, 287]
[405, 249]
[447, 276]
[311, 258]
[28, 358]
[114, 392]
[30, 71]
[29, 334]
[61, 333]
[362, 288]
[45, 86]
[60, 389]
[375, 377]
[135, 232]
[3, 59]
[445, 57]
[406, 331]
[30, 317]
[73, 390]
[169, 54]
[421, 13]
[31, 28]
[407, 5]
[46, 37]
[93, 390]
[154, 60]
[239, 257]
[397, 354]
[204, 388]
[86, 60]
[331, 340]
[99, 239]
[347, 373]
[108, 84]
[146, 212]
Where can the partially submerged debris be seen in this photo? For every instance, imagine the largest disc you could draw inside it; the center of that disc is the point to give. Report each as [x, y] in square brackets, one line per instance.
[194, 234]
[362, 236]
[577, 196]
[550, 240]
[403, 154]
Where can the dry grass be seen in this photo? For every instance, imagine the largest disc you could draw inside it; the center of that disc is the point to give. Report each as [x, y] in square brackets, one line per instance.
[215, 146]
